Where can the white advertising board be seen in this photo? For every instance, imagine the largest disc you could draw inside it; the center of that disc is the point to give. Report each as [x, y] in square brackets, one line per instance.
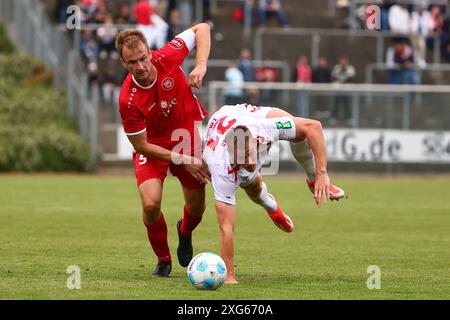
[361, 145]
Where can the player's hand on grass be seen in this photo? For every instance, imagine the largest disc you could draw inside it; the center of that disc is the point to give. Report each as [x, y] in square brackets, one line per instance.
[196, 76]
[322, 189]
[197, 169]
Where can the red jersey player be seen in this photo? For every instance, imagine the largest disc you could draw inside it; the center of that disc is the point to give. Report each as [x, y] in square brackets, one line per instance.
[156, 102]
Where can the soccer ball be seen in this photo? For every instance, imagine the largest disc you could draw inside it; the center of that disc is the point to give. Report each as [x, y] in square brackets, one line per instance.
[207, 271]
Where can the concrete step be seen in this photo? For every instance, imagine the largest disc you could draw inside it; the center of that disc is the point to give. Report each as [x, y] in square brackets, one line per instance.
[107, 138]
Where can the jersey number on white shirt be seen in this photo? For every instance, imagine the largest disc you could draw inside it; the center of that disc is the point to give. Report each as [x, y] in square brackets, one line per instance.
[221, 129]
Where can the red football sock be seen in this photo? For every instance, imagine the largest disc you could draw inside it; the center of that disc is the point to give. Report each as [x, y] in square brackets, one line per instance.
[157, 235]
[189, 223]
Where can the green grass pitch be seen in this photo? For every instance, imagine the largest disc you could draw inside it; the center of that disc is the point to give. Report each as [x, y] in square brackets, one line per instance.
[402, 225]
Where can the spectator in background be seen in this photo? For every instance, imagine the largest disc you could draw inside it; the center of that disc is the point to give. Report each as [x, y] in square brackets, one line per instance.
[171, 5]
[421, 26]
[342, 13]
[61, 10]
[436, 21]
[88, 10]
[400, 61]
[89, 46]
[271, 7]
[267, 73]
[107, 35]
[150, 23]
[321, 73]
[142, 12]
[174, 24]
[185, 8]
[240, 8]
[445, 39]
[123, 15]
[108, 80]
[384, 15]
[360, 16]
[234, 76]
[399, 19]
[343, 72]
[302, 74]
[303, 70]
[160, 31]
[92, 73]
[245, 65]
[101, 12]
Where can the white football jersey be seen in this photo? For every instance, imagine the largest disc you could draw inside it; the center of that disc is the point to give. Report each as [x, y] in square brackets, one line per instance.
[225, 176]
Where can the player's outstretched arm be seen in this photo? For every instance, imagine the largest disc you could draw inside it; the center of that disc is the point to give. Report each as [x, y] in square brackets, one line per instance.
[194, 166]
[226, 216]
[203, 46]
[312, 130]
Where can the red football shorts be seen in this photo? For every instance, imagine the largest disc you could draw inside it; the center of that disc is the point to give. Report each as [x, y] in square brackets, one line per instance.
[150, 168]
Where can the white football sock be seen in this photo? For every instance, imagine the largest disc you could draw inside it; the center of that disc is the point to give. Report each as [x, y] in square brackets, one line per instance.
[304, 156]
[264, 200]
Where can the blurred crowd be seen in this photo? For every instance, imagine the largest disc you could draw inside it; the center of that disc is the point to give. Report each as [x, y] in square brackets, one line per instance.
[261, 11]
[159, 20]
[243, 70]
[414, 24]
[418, 21]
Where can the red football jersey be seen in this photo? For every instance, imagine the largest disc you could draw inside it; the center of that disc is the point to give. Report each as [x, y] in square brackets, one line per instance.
[167, 104]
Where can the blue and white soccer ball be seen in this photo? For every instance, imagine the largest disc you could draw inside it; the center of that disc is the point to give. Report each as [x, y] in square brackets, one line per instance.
[207, 271]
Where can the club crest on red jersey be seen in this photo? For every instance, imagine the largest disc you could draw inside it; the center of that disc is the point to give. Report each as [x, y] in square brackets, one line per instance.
[167, 83]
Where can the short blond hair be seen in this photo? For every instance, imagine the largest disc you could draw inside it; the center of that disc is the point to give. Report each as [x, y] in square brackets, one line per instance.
[129, 38]
[238, 140]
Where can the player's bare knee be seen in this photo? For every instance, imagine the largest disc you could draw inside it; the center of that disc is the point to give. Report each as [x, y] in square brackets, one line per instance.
[254, 190]
[151, 209]
[226, 229]
[196, 209]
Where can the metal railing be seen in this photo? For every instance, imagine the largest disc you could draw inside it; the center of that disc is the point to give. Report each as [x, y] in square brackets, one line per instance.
[388, 106]
[31, 31]
[353, 6]
[372, 67]
[188, 65]
[316, 36]
[389, 121]
[224, 63]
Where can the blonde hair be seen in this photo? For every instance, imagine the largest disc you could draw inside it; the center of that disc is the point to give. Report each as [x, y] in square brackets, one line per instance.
[129, 38]
[238, 140]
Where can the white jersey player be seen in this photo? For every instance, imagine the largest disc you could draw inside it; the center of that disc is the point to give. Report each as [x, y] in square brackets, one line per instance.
[237, 142]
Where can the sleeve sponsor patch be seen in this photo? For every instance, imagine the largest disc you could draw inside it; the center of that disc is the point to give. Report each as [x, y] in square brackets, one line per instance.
[176, 44]
[284, 125]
